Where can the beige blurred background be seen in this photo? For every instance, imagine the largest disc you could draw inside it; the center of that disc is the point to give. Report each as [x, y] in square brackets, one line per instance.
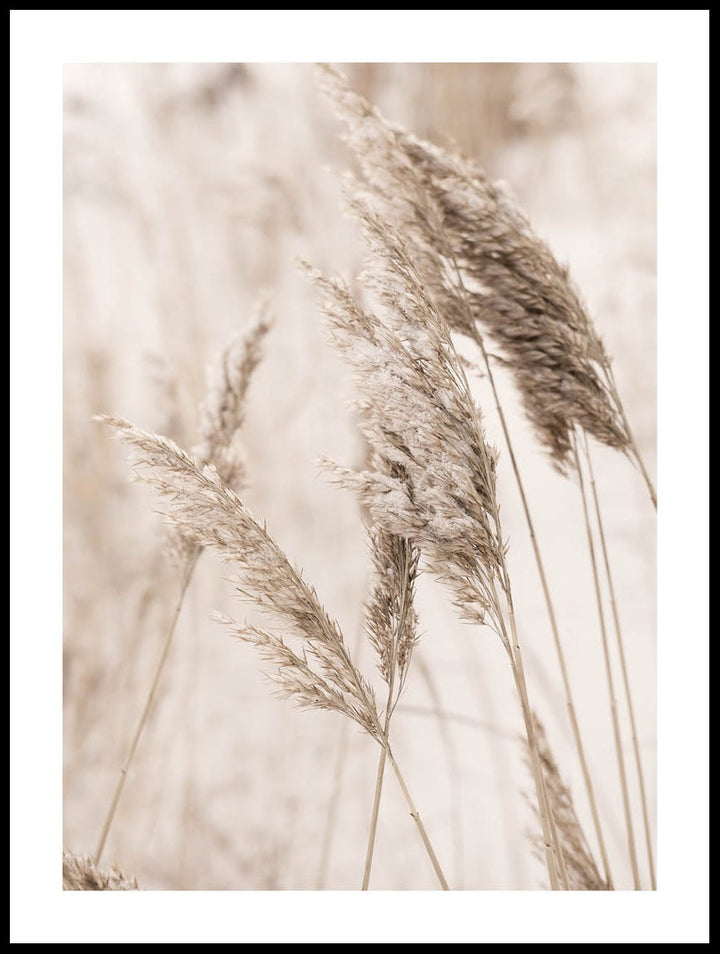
[189, 191]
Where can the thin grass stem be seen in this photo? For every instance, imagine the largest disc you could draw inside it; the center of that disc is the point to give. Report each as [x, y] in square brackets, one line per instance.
[187, 575]
[551, 615]
[609, 676]
[415, 815]
[623, 664]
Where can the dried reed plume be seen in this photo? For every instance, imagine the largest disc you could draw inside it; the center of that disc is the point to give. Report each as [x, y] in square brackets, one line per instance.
[391, 624]
[514, 288]
[210, 514]
[223, 410]
[418, 413]
[81, 873]
[390, 616]
[583, 874]
[319, 672]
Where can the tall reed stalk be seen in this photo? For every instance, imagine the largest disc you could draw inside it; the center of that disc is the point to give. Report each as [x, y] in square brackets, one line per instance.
[609, 677]
[186, 576]
[623, 663]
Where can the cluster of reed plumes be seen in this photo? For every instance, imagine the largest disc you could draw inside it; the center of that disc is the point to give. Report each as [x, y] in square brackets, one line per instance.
[447, 252]
[490, 273]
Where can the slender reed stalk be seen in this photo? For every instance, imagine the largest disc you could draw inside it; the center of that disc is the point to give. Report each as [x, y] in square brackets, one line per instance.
[159, 666]
[547, 597]
[374, 818]
[623, 663]
[415, 815]
[609, 676]
[589, 788]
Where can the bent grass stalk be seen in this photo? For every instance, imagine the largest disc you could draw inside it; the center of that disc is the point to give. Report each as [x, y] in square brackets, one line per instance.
[378, 794]
[608, 675]
[386, 753]
[623, 664]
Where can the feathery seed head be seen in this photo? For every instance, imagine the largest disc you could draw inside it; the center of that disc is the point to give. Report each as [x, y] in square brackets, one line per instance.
[487, 271]
[582, 871]
[223, 410]
[390, 617]
[418, 415]
[212, 515]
